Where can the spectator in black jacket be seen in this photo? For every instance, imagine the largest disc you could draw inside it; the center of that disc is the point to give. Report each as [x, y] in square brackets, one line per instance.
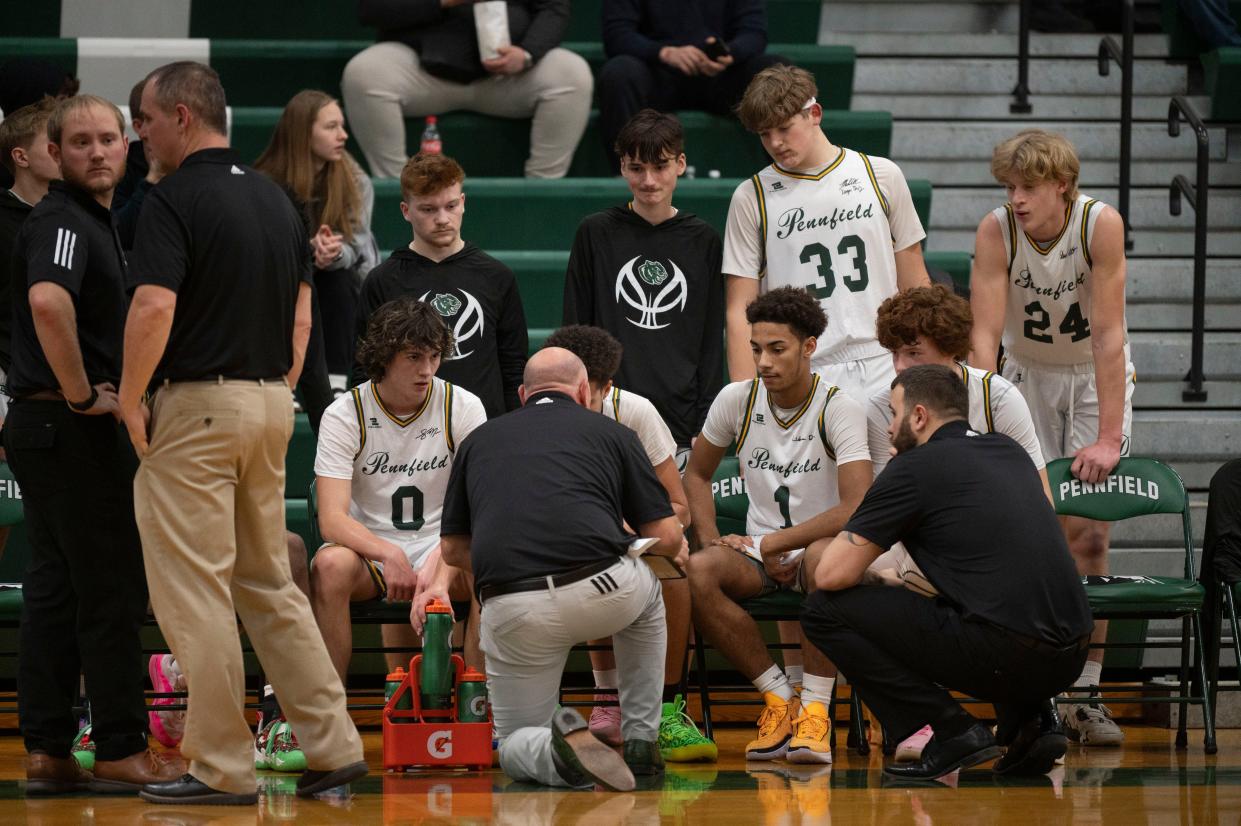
[427, 61]
[140, 175]
[691, 54]
[475, 293]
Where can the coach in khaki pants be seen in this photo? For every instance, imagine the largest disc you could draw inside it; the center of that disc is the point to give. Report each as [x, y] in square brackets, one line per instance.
[220, 319]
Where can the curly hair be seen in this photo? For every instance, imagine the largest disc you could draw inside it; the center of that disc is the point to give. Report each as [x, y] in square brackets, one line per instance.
[935, 313]
[596, 347]
[400, 325]
[425, 175]
[793, 306]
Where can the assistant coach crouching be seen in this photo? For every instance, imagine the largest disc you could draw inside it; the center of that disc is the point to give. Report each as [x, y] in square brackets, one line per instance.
[535, 510]
[1010, 624]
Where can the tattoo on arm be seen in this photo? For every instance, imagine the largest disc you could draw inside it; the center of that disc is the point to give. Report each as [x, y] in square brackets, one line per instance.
[856, 540]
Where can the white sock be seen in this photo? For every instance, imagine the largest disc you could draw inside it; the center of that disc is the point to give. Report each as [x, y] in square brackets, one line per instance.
[795, 673]
[606, 679]
[1091, 672]
[816, 689]
[774, 681]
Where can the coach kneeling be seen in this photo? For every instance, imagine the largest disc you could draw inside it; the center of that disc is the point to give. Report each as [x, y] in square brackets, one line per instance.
[535, 509]
[1010, 623]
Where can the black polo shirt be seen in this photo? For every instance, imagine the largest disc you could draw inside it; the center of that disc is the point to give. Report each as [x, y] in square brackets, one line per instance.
[971, 511]
[227, 241]
[69, 239]
[544, 490]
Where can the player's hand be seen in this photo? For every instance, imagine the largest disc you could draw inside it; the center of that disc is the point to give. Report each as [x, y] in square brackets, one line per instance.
[744, 544]
[512, 61]
[782, 567]
[137, 421]
[688, 60]
[1094, 462]
[418, 611]
[401, 579]
[681, 560]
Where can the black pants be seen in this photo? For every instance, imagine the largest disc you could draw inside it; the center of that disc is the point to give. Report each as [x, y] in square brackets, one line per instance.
[628, 84]
[903, 652]
[314, 389]
[338, 302]
[84, 592]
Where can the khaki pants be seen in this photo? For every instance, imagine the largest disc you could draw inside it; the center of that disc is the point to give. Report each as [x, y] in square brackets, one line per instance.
[209, 499]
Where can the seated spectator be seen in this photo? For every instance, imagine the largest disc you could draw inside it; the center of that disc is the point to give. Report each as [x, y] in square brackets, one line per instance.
[307, 157]
[27, 80]
[141, 173]
[692, 54]
[428, 62]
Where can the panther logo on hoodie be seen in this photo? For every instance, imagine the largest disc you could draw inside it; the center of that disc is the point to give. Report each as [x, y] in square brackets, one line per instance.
[648, 289]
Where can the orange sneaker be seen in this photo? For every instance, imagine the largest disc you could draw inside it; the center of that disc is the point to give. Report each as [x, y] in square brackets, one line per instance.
[812, 735]
[775, 728]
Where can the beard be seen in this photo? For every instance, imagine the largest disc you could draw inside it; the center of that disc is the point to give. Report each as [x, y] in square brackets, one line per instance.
[904, 439]
[93, 184]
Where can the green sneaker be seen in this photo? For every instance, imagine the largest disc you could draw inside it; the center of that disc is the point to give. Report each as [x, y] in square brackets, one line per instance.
[83, 749]
[680, 741]
[284, 754]
[262, 740]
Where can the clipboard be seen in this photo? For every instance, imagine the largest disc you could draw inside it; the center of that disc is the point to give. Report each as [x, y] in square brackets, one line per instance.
[662, 566]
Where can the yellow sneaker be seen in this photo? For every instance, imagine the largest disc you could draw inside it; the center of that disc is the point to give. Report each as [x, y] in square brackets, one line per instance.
[775, 728]
[812, 735]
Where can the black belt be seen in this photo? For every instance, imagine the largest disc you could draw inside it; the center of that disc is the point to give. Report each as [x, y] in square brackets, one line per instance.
[539, 583]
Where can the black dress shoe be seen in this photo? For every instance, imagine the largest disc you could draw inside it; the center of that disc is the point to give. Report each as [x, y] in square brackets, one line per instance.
[973, 746]
[314, 781]
[1039, 742]
[189, 789]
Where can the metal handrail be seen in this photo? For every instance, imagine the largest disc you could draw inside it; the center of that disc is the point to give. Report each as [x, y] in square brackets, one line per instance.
[1179, 107]
[1123, 55]
[1021, 93]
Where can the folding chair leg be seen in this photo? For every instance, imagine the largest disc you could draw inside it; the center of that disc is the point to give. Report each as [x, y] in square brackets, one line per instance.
[1182, 735]
[704, 690]
[1208, 709]
[1232, 619]
[857, 723]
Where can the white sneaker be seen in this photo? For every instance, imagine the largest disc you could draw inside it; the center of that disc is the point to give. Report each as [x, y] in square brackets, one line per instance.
[1091, 724]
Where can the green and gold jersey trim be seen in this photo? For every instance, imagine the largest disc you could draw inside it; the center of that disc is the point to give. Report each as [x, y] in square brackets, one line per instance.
[1044, 249]
[614, 397]
[448, 437]
[987, 412]
[801, 411]
[357, 408]
[827, 445]
[1089, 205]
[874, 181]
[1012, 236]
[749, 413]
[406, 422]
[762, 223]
[817, 176]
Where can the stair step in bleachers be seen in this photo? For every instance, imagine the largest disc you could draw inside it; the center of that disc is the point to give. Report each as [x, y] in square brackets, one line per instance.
[711, 141]
[521, 214]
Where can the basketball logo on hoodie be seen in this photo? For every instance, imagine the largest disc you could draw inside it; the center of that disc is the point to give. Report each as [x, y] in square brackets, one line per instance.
[464, 318]
[652, 291]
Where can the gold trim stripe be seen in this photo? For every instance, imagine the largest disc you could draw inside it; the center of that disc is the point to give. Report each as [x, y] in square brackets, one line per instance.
[1012, 237]
[818, 176]
[874, 181]
[814, 385]
[827, 446]
[1089, 205]
[397, 419]
[448, 437]
[357, 407]
[986, 402]
[1068, 215]
[749, 411]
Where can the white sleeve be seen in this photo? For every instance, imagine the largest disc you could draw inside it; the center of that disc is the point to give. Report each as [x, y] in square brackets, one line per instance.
[902, 217]
[653, 433]
[338, 440]
[846, 430]
[724, 418]
[878, 417]
[1011, 416]
[743, 244]
[467, 413]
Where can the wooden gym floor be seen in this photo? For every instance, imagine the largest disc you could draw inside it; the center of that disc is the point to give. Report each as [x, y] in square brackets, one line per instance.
[1145, 782]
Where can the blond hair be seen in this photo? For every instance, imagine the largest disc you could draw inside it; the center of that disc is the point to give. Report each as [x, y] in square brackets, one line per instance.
[21, 128]
[1038, 156]
[774, 95]
[64, 108]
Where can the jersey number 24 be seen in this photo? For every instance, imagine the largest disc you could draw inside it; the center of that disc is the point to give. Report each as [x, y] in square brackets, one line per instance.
[1038, 320]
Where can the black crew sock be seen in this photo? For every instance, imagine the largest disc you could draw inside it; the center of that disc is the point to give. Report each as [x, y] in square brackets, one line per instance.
[269, 707]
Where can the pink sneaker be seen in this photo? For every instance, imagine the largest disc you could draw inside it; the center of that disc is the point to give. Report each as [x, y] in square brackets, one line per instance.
[910, 749]
[167, 726]
[605, 721]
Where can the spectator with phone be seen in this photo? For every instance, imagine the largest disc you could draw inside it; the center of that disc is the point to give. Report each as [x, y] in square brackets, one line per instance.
[695, 54]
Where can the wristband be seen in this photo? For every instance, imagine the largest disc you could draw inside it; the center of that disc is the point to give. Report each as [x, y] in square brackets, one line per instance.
[83, 406]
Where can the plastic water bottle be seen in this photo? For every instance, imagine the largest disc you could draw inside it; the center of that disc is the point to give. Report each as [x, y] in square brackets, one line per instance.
[472, 697]
[436, 673]
[431, 143]
[392, 683]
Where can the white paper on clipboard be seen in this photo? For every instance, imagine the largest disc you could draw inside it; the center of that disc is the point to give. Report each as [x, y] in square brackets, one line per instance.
[663, 566]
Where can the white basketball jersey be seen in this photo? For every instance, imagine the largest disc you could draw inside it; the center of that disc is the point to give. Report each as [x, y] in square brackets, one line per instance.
[400, 472]
[639, 415]
[1048, 314]
[829, 232]
[787, 459]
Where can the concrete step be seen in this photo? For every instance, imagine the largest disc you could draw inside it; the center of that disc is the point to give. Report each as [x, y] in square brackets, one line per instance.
[961, 207]
[1044, 107]
[893, 43]
[1180, 316]
[1166, 355]
[1175, 436]
[970, 75]
[921, 17]
[1197, 473]
[1171, 279]
[1094, 173]
[975, 141]
[1162, 530]
[1220, 243]
[1166, 393]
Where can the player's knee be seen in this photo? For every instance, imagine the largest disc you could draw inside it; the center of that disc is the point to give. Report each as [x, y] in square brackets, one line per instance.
[297, 552]
[1090, 542]
[702, 571]
[332, 570]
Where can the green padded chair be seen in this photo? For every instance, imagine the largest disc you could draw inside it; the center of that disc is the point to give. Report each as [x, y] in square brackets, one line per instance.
[731, 504]
[1141, 487]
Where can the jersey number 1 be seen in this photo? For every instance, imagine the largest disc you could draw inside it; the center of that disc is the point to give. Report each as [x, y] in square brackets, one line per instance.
[855, 283]
[782, 499]
[406, 498]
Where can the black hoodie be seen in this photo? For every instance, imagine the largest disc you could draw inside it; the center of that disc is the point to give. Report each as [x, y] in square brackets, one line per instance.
[657, 288]
[478, 298]
[13, 212]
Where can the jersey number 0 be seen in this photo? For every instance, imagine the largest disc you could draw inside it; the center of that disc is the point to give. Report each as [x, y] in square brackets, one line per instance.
[407, 498]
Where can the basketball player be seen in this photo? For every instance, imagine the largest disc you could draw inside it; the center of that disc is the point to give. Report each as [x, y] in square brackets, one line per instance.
[802, 447]
[680, 741]
[1049, 278]
[385, 451]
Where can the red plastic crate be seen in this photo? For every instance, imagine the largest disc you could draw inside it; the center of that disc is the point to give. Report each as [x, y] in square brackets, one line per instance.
[415, 737]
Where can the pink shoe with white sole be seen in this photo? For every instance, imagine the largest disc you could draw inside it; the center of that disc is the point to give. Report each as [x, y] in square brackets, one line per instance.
[909, 750]
[167, 726]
